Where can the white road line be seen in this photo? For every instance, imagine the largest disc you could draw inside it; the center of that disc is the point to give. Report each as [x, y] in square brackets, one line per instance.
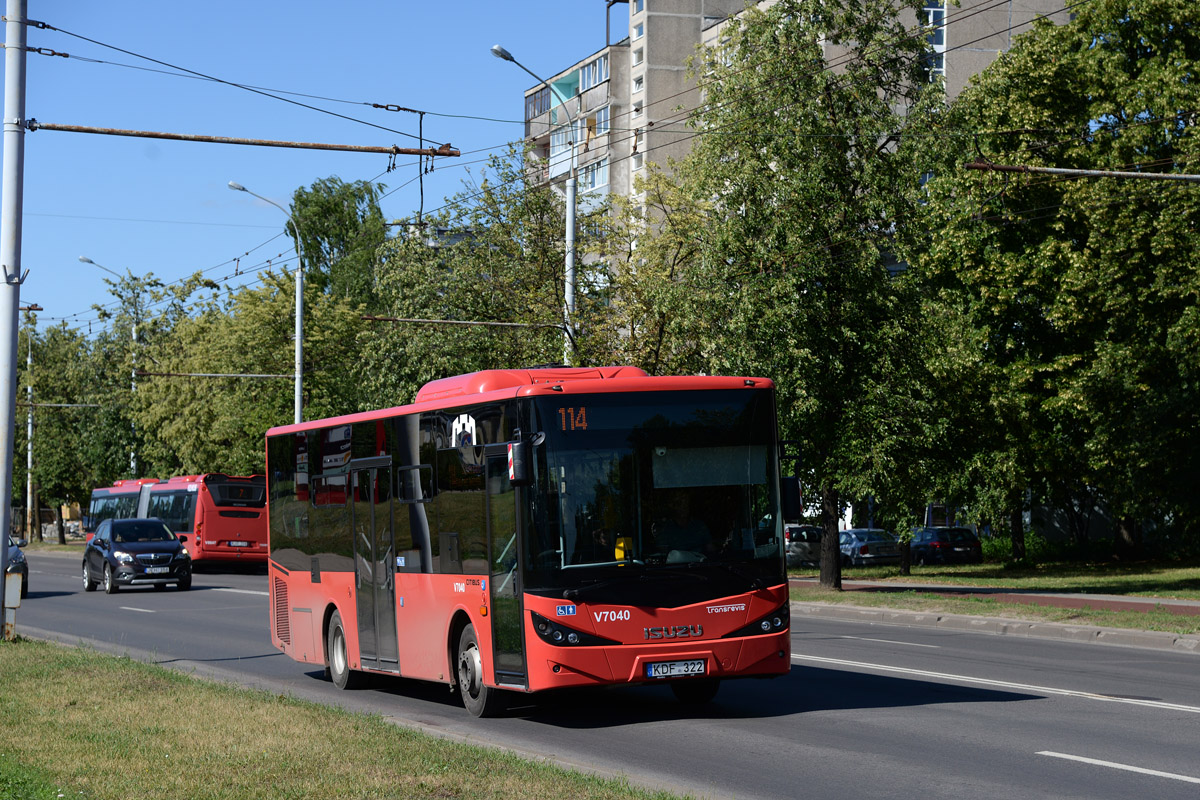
[240, 591]
[1023, 687]
[1114, 765]
[892, 641]
[143, 610]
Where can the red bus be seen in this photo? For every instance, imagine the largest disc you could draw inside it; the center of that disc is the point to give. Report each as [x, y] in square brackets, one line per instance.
[524, 530]
[113, 502]
[219, 517]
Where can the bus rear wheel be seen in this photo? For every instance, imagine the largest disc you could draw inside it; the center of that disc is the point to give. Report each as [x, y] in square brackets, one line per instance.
[480, 700]
[696, 691]
[335, 654]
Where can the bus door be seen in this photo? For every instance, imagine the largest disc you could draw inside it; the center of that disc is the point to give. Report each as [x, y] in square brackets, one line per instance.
[503, 524]
[374, 555]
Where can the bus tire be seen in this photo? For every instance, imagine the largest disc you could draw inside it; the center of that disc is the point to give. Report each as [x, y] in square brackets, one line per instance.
[110, 580]
[480, 700]
[337, 658]
[696, 691]
[89, 585]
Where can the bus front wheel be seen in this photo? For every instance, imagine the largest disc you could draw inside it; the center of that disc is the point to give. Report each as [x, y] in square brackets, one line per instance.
[335, 655]
[480, 700]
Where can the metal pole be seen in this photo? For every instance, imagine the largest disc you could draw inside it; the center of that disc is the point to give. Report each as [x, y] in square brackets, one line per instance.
[133, 464]
[29, 438]
[298, 400]
[10, 257]
[569, 241]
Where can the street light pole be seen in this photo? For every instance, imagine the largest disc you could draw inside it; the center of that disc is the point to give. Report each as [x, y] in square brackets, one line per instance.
[298, 401]
[137, 315]
[569, 241]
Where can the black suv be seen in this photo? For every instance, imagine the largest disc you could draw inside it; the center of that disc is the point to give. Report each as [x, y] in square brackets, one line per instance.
[946, 546]
[135, 552]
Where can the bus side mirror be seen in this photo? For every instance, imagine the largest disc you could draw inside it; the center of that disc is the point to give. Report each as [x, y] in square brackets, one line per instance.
[520, 472]
[791, 500]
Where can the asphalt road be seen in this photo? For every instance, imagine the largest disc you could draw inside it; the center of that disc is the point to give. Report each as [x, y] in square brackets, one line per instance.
[884, 711]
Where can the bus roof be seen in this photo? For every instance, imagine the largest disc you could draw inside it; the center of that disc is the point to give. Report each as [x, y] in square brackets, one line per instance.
[496, 384]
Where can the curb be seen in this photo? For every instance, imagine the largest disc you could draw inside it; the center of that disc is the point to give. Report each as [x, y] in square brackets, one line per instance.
[1154, 640]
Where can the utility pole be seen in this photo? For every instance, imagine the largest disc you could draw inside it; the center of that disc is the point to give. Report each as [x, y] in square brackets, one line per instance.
[11, 195]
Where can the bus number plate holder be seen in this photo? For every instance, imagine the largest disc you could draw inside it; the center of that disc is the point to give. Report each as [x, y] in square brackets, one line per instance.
[239, 544]
[675, 669]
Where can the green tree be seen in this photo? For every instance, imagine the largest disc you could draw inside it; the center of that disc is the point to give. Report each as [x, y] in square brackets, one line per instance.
[341, 229]
[1080, 295]
[811, 175]
[494, 255]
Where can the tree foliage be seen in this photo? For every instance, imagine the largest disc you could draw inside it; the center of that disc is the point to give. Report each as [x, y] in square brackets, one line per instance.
[1079, 296]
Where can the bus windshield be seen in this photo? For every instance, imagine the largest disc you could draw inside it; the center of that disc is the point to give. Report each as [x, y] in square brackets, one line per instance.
[176, 508]
[660, 483]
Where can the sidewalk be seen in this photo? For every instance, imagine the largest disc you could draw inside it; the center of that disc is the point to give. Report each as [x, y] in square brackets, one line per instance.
[1182, 643]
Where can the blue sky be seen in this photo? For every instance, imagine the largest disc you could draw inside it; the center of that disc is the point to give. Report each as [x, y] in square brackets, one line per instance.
[149, 205]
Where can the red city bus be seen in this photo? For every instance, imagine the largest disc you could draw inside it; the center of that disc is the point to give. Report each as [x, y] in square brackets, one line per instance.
[523, 530]
[219, 517]
[113, 502]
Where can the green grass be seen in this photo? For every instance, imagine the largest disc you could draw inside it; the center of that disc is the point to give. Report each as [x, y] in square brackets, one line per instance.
[78, 724]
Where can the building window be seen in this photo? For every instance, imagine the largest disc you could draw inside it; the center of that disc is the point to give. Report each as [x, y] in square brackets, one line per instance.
[638, 161]
[637, 6]
[639, 30]
[601, 121]
[594, 175]
[593, 73]
[637, 109]
[639, 83]
[537, 103]
[639, 56]
[935, 20]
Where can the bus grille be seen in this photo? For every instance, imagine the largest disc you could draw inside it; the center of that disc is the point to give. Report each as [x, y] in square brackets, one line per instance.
[283, 622]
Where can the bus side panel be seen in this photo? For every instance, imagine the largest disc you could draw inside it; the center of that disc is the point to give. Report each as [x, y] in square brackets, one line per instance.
[425, 607]
[298, 614]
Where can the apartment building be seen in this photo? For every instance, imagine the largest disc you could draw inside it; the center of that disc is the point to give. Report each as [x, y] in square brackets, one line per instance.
[627, 103]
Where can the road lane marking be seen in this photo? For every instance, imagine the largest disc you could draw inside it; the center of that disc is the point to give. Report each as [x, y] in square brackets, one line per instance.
[143, 610]
[892, 641]
[1114, 765]
[1023, 687]
[240, 591]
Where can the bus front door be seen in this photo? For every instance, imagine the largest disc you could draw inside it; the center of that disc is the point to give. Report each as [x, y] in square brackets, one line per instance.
[503, 524]
[375, 575]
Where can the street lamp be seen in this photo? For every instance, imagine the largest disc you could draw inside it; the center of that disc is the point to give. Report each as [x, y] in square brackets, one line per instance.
[569, 292]
[299, 403]
[133, 354]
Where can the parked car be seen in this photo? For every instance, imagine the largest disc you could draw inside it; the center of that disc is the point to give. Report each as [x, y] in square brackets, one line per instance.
[946, 546]
[868, 546]
[17, 565]
[802, 543]
[135, 552]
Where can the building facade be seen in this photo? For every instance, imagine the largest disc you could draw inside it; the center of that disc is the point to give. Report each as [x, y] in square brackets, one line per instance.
[627, 104]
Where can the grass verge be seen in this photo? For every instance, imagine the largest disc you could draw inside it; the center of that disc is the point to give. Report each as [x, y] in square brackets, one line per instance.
[78, 724]
[931, 602]
[1140, 579]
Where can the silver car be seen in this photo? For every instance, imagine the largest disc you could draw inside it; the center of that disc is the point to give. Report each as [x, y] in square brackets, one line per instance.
[866, 546]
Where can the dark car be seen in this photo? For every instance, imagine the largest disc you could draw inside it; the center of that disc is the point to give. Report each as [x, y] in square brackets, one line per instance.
[863, 547]
[17, 565]
[803, 544]
[135, 552]
[946, 546]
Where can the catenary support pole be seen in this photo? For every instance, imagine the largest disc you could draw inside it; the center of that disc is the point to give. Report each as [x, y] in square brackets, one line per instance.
[10, 255]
